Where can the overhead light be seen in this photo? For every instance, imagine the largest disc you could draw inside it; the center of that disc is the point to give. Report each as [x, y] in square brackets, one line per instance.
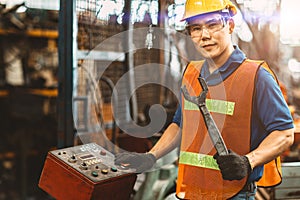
[21, 9]
[289, 33]
[242, 29]
[294, 65]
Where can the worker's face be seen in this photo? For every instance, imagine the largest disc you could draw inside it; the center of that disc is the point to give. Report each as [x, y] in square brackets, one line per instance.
[211, 34]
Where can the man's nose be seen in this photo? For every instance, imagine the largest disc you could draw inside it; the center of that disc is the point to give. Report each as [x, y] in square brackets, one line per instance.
[205, 32]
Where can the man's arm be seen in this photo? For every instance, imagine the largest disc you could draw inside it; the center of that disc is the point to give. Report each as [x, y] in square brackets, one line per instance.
[269, 98]
[271, 147]
[169, 140]
[236, 167]
[145, 161]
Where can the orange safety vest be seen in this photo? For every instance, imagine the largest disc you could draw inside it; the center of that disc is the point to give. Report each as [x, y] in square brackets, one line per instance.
[230, 104]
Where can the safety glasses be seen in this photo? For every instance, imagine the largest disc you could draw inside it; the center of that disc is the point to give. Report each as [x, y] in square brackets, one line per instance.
[211, 25]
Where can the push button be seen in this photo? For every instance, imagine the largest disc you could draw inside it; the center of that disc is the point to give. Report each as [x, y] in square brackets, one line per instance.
[113, 169]
[103, 153]
[104, 171]
[94, 173]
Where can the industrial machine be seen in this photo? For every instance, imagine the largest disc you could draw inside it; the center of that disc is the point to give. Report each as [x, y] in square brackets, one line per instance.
[290, 186]
[85, 172]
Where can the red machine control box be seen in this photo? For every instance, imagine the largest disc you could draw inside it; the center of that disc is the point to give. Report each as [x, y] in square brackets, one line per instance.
[85, 172]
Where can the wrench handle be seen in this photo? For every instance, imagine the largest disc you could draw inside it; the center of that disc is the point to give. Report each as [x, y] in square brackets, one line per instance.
[213, 131]
[203, 84]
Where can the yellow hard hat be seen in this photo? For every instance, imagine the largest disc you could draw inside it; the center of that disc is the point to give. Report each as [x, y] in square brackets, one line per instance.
[198, 7]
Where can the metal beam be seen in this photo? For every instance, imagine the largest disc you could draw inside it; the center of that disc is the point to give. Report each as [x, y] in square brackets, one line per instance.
[65, 73]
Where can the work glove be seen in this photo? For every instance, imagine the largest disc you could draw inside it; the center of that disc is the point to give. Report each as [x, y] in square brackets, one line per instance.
[139, 161]
[233, 166]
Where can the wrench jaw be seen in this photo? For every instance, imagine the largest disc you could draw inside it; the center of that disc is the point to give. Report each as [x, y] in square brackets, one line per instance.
[187, 96]
[198, 100]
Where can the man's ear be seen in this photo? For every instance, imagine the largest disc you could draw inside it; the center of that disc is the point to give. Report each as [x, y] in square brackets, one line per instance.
[231, 25]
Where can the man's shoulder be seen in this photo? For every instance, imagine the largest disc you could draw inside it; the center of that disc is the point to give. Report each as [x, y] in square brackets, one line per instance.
[194, 65]
[254, 62]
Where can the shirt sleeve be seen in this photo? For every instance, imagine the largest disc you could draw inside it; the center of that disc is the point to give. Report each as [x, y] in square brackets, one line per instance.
[177, 118]
[270, 105]
[270, 113]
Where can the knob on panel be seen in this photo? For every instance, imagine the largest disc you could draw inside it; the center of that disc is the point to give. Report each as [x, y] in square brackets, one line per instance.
[72, 159]
[83, 166]
[102, 152]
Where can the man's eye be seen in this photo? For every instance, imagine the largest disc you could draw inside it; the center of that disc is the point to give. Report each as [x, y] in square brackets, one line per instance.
[196, 28]
[212, 24]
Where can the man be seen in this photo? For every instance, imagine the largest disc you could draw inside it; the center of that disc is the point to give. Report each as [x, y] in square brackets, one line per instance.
[246, 104]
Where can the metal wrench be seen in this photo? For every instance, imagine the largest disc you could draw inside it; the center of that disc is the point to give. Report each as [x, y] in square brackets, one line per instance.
[211, 126]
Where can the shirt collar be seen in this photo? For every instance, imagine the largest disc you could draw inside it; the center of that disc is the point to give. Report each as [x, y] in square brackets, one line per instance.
[235, 59]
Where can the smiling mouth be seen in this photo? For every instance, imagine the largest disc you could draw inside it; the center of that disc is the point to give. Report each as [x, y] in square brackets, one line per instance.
[207, 45]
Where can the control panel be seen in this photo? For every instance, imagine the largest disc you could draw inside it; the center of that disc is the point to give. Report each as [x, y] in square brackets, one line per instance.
[85, 172]
[91, 160]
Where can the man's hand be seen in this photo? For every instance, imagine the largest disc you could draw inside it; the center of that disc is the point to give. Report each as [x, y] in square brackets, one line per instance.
[233, 166]
[139, 161]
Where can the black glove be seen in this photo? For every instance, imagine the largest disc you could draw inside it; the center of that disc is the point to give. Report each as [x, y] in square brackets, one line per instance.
[139, 161]
[233, 166]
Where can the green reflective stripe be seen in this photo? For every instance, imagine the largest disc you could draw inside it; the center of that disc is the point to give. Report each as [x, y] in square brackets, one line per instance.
[198, 160]
[213, 105]
[190, 106]
[220, 106]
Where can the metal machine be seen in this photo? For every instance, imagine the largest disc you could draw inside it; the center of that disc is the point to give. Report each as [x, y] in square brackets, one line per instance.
[85, 172]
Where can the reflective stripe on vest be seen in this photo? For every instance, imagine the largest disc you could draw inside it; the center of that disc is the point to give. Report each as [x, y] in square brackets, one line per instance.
[213, 105]
[198, 160]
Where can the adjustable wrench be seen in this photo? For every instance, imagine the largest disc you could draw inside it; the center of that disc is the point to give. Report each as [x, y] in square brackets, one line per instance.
[211, 126]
